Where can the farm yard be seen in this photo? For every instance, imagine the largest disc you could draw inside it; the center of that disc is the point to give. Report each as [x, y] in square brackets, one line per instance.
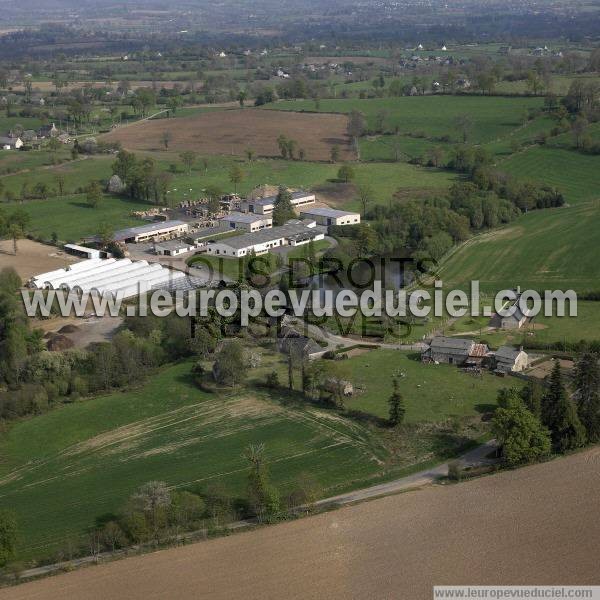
[32, 258]
[232, 132]
[432, 393]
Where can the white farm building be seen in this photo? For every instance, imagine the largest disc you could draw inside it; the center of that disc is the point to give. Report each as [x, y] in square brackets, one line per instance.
[331, 216]
[265, 206]
[152, 232]
[121, 277]
[293, 233]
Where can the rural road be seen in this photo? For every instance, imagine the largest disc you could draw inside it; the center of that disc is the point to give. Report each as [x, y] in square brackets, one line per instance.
[475, 457]
[334, 341]
[535, 525]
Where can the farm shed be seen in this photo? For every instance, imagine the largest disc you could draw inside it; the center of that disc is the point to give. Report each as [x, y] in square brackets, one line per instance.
[122, 277]
[265, 206]
[156, 232]
[454, 351]
[298, 345]
[173, 248]
[11, 143]
[260, 242]
[517, 319]
[331, 216]
[246, 221]
[82, 251]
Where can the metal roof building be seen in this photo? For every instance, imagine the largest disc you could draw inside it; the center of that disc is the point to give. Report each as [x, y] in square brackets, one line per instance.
[259, 242]
[161, 230]
[248, 221]
[265, 206]
[331, 216]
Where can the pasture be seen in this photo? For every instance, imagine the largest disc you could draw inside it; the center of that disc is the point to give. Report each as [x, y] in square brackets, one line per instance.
[549, 249]
[62, 470]
[72, 218]
[432, 393]
[576, 175]
[433, 116]
[232, 132]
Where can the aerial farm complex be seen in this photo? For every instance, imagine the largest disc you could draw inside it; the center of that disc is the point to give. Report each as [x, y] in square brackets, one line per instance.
[246, 230]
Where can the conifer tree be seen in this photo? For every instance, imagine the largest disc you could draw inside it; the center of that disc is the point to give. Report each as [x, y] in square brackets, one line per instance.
[559, 415]
[283, 210]
[397, 406]
[587, 383]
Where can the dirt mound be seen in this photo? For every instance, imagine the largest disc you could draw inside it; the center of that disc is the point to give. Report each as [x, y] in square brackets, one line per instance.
[58, 342]
[70, 328]
[335, 194]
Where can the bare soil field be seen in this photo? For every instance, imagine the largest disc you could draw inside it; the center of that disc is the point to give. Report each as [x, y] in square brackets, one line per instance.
[33, 258]
[233, 131]
[537, 525]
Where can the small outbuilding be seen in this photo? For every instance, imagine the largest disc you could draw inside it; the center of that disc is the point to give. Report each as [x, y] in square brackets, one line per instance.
[173, 247]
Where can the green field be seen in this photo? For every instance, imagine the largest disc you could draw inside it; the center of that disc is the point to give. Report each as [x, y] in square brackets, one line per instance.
[492, 117]
[431, 392]
[585, 326]
[385, 147]
[62, 470]
[549, 249]
[77, 174]
[576, 175]
[71, 218]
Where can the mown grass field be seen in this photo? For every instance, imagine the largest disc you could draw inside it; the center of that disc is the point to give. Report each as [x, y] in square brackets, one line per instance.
[72, 218]
[435, 116]
[431, 392]
[77, 174]
[577, 175]
[396, 147]
[62, 470]
[549, 249]
[546, 330]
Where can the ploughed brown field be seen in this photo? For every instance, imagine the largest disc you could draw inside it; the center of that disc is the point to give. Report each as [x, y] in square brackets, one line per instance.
[536, 525]
[233, 131]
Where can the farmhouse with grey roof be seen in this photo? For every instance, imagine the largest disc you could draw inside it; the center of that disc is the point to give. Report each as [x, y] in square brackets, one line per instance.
[454, 351]
[507, 359]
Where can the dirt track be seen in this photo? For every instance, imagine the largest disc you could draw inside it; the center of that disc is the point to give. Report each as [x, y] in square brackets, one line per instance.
[233, 131]
[537, 525]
